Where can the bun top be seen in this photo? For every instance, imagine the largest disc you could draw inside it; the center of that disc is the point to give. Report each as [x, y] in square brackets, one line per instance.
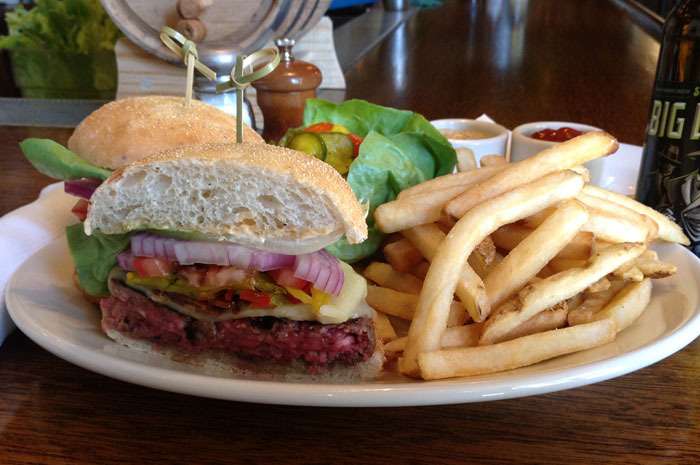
[127, 130]
[266, 197]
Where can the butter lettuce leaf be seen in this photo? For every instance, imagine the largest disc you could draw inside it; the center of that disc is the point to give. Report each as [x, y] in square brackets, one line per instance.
[56, 161]
[400, 149]
[94, 256]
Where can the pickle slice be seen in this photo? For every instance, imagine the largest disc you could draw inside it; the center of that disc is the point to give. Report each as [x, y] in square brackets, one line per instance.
[339, 149]
[309, 143]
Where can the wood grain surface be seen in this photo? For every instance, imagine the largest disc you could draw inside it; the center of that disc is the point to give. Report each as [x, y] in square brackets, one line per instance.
[517, 62]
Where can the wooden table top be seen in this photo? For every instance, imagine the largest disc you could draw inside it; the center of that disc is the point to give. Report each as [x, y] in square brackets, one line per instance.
[517, 62]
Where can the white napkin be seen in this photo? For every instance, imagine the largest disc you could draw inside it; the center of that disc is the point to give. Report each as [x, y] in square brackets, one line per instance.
[28, 229]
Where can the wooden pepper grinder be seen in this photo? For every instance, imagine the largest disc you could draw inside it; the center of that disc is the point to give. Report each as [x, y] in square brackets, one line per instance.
[282, 94]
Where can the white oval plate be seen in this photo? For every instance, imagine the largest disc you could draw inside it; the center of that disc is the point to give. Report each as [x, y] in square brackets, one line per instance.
[44, 304]
[47, 308]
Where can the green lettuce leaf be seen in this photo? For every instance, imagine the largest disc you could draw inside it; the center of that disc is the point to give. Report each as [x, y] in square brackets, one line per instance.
[62, 49]
[77, 26]
[56, 161]
[94, 256]
[400, 149]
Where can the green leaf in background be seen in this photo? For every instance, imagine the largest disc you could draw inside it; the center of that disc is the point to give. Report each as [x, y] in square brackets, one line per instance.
[78, 26]
[95, 256]
[54, 160]
[400, 149]
[62, 49]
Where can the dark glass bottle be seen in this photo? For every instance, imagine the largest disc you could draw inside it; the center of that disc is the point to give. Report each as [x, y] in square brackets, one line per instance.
[669, 177]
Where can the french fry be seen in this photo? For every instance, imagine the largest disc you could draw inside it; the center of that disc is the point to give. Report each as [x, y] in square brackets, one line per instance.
[465, 159]
[653, 268]
[601, 285]
[627, 305]
[562, 264]
[409, 211]
[534, 252]
[548, 292]
[483, 257]
[384, 331]
[492, 160]
[650, 253]
[613, 229]
[455, 336]
[537, 218]
[575, 301]
[464, 179]
[581, 247]
[668, 230]
[552, 318]
[545, 272]
[607, 226]
[391, 302]
[523, 351]
[594, 302]
[583, 171]
[402, 255]
[385, 275]
[628, 272]
[420, 269]
[403, 305]
[562, 156]
[445, 223]
[619, 211]
[427, 239]
[611, 208]
[428, 325]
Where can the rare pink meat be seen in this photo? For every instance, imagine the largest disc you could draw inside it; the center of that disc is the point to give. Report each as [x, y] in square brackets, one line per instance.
[266, 338]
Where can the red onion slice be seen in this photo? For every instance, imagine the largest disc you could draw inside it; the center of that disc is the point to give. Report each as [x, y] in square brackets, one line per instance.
[324, 277]
[215, 253]
[125, 260]
[83, 187]
[322, 269]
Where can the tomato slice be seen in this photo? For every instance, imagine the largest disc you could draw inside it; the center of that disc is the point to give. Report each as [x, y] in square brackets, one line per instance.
[319, 128]
[285, 277]
[356, 141]
[257, 299]
[80, 209]
[152, 267]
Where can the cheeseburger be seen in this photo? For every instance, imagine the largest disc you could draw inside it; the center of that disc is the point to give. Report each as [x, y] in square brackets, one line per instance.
[214, 254]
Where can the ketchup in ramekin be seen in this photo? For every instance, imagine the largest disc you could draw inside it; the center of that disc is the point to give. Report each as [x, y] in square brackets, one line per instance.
[556, 135]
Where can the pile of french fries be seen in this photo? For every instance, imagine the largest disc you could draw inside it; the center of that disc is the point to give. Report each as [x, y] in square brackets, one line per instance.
[509, 264]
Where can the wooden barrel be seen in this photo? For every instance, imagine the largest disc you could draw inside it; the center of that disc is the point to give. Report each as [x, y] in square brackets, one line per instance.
[233, 27]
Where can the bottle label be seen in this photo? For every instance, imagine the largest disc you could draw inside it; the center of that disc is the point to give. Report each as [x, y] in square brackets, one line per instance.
[669, 178]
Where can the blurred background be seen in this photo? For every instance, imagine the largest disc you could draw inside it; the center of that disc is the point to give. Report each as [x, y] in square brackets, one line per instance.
[92, 73]
[23, 70]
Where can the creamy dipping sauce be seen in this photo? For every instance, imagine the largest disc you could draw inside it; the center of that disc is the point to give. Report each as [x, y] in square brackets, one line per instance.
[465, 134]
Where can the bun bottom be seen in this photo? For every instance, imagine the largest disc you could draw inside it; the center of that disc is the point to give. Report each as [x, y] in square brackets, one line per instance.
[229, 365]
[95, 299]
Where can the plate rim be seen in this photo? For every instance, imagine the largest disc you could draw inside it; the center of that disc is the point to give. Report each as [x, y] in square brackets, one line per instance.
[368, 394]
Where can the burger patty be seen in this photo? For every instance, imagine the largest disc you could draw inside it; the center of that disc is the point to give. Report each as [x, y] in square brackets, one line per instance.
[266, 338]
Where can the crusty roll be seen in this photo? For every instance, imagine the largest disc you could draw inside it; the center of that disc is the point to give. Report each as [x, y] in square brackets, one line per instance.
[127, 130]
[262, 196]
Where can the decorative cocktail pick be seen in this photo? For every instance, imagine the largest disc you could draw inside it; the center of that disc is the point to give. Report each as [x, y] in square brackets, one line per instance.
[242, 75]
[188, 51]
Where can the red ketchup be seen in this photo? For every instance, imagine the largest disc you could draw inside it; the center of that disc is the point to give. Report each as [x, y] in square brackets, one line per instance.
[556, 135]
